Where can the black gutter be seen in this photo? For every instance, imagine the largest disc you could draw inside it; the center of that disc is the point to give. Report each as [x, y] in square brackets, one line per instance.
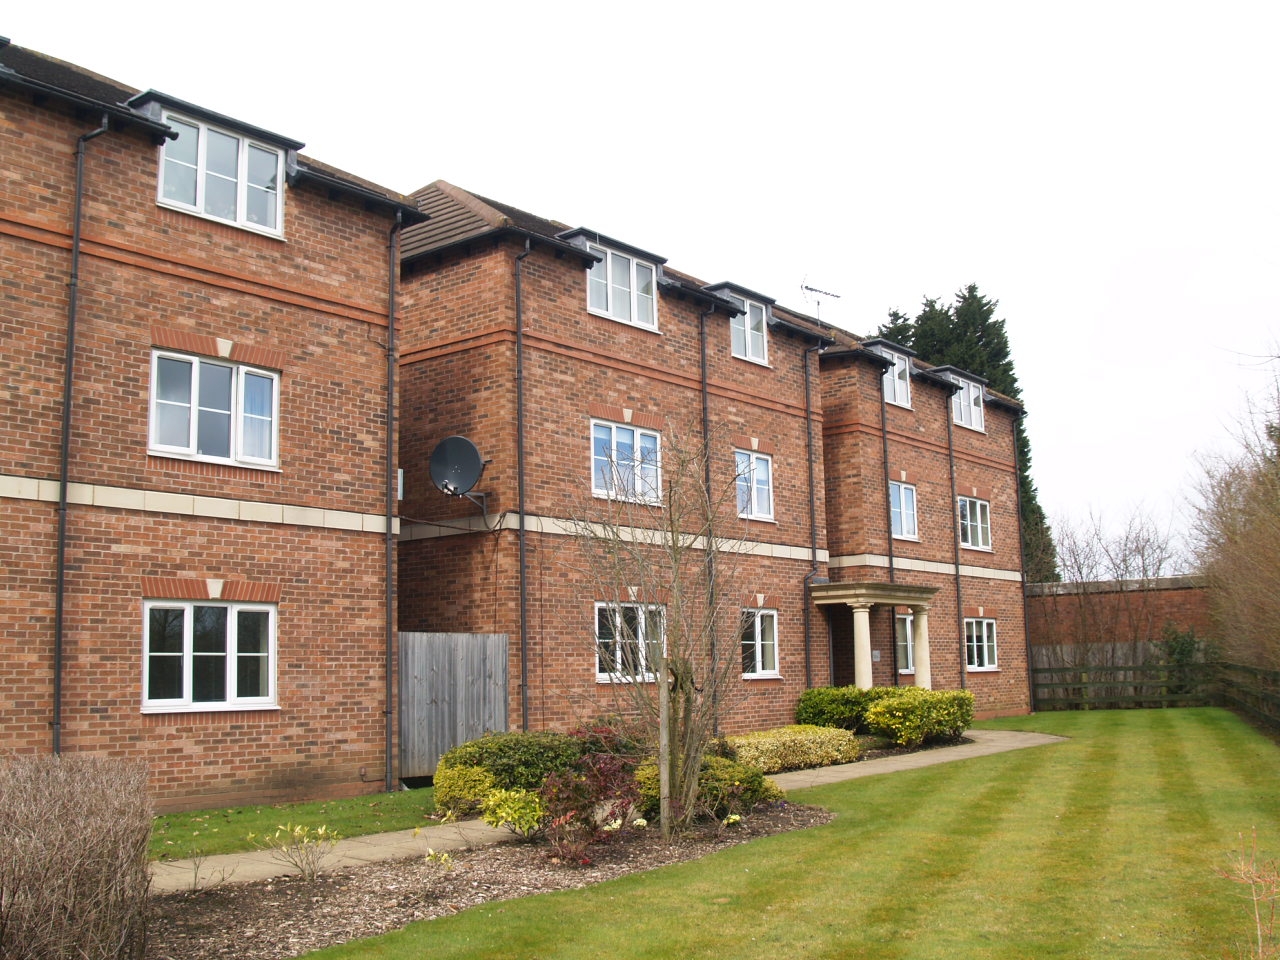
[520, 478]
[1022, 555]
[710, 501]
[393, 265]
[64, 465]
[123, 114]
[813, 516]
[955, 533]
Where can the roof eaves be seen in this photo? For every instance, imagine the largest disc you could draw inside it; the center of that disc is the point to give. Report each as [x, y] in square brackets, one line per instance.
[583, 236]
[120, 112]
[152, 102]
[301, 172]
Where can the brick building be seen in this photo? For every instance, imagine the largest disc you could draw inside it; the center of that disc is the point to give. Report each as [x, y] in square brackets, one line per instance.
[583, 368]
[194, 462]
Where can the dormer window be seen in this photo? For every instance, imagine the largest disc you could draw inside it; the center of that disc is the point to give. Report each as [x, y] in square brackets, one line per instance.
[622, 288]
[966, 404]
[749, 340]
[216, 173]
[897, 379]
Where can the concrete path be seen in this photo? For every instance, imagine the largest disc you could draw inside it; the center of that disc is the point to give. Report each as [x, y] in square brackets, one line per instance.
[171, 876]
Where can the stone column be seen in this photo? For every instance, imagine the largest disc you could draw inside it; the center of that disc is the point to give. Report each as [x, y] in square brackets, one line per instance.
[862, 645]
[920, 645]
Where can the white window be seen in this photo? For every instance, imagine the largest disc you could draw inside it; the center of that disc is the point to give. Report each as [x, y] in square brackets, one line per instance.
[218, 174]
[623, 288]
[749, 340]
[628, 641]
[755, 484]
[213, 410]
[897, 379]
[208, 656]
[903, 637]
[626, 462]
[759, 635]
[980, 643]
[966, 404]
[975, 523]
[902, 510]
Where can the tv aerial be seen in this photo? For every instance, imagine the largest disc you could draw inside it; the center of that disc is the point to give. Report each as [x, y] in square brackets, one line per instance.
[814, 295]
[456, 466]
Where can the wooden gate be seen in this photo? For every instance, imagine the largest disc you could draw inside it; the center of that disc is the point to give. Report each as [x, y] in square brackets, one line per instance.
[453, 688]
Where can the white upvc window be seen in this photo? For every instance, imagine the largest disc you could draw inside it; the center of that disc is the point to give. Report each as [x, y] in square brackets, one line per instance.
[904, 638]
[629, 638]
[759, 636]
[966, 404]
[748, 333]
[626, 462]
[975, 523]
[902, 510]
[208, 656]
[621, 287]
[755, 484]
[980, 643]
[214, 410]
[220, 174]
[897, 379]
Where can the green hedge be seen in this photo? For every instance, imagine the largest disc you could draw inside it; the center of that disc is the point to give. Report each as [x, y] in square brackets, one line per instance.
[724, 786]
[917, 715]
[843, 707]
[500, 761]
[797, 747]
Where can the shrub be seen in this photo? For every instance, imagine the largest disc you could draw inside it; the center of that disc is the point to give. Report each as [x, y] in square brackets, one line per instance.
[843, 707]
[511, 760]
[73, 858]
[459, 791]
[724, 787]
[520, 811]
[915, 715]
[795, 748]
[302, 847]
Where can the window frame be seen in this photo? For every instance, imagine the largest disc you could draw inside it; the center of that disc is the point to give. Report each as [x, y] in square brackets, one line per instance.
[904, 642]
[238, 413]
[187, 703]
[753, 619]
[741, 326]
[896, 380]
[637, 464]
[645, 613]
[602, 276]
[244, 151]
[755, 492]
[967, 405]
[898, 510]
[980, 636]
[968, 525]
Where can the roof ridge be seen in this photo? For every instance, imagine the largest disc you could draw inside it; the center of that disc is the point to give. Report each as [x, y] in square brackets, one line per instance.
[495, 218]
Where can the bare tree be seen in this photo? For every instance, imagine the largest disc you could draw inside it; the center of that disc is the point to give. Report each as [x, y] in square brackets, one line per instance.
[660, 553]
[1238, 540]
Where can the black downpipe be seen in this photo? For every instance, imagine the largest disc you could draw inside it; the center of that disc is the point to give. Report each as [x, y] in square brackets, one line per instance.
[64, 466]
[521, 538]
[393, 264]
[813, 519]
[955, 537]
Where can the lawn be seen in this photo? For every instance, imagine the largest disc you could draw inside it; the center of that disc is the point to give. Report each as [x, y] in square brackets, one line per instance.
[177, 836]
[1103, 846]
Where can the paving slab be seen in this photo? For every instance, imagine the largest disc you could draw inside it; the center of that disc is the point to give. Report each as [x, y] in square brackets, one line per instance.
[172, 876]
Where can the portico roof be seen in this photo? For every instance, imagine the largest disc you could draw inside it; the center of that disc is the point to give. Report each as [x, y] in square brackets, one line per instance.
[872, 592]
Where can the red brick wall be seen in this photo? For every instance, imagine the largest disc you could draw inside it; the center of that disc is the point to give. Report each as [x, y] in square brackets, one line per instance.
[312, 305]
[1068, 613]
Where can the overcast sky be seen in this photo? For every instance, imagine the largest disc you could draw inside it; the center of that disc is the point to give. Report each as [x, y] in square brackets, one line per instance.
[1107, 171]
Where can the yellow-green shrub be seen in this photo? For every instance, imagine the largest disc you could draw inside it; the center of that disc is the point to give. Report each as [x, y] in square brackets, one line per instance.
[915, 715]
[796, 747]
[724, 787]
[460, 790]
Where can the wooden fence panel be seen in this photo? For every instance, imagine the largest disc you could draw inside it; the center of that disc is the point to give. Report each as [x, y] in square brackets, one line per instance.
[453, 688]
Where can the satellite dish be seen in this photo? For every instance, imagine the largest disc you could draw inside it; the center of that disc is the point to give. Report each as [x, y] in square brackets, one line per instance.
[455, 466]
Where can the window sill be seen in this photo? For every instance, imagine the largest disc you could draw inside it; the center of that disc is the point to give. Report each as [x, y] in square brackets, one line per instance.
[964, 546]
[607, 678]
[982, 669]
[626, 323]
[762, 676]
[209, 707]
[249, 227]
[748, 516]
[899, 536]
[758, 363]
[895, 403]
[906, 673]
[639, 501]
[965, 426]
